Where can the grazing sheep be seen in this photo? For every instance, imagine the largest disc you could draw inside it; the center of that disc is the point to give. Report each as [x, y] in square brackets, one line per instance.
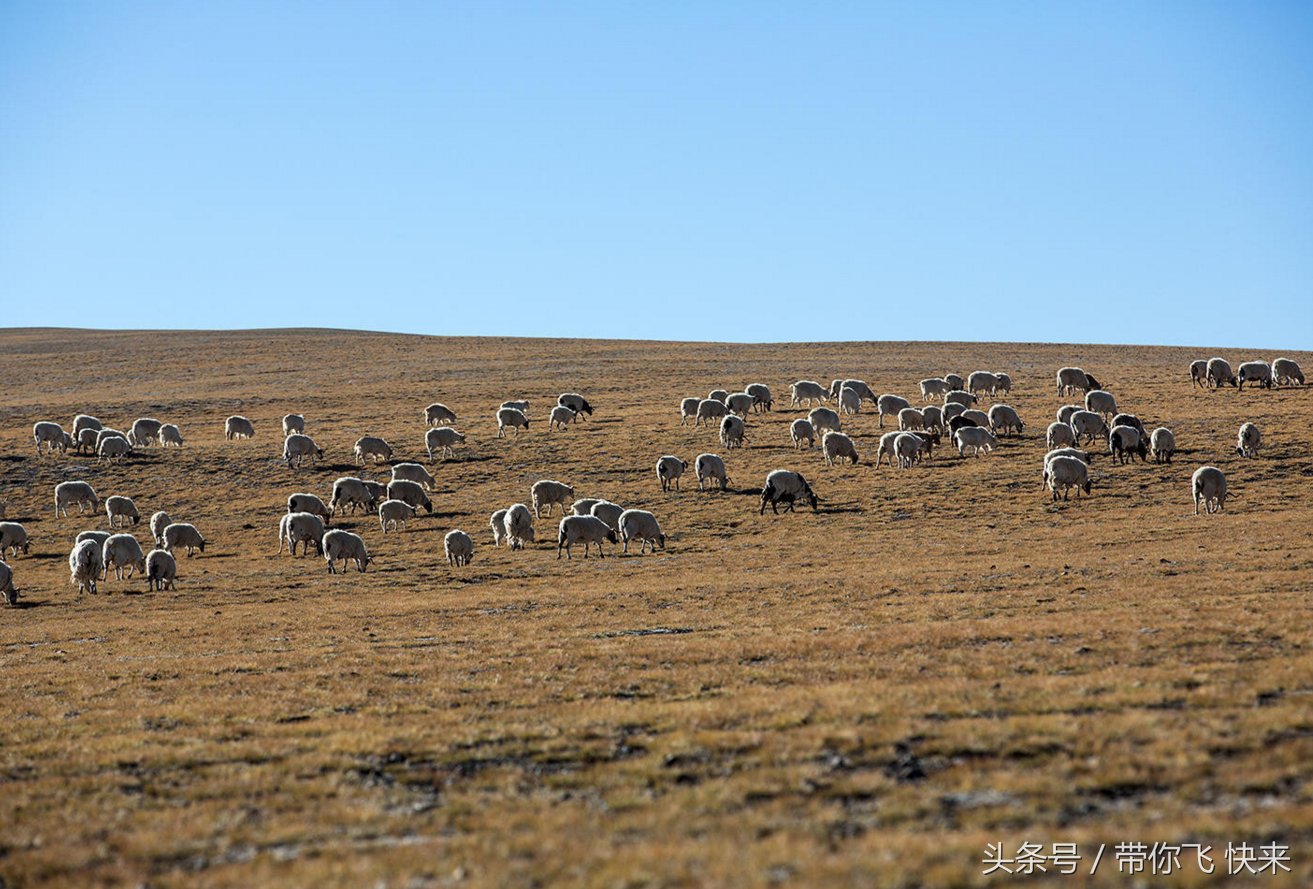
[546, 492]
[668, 470]
[1124, 442]
[977, 438]
[498, 525]
[372, 446]
[1220, 373]
[863, 390]
[303, 503]
[293, 423]
[349, 494]
[521, 406]
[161, 570]
[80, 493]
[975, 417]
[1004, 419]
[123, 553]
[97, 537]
[301, 527]
[785, 486]
[823, 420]
[1059, 435]
[1065, 412]
[641, 525]
[170, 435]
[560, 417]
[440, 415]
[1129, 420]
[740, 403]
[1248, 440]
[395, 513]
[238, 427]
[144, 432]
[409, 492]
[1067, 473]
[1004, 384]
[1062, 452]
[103, 434]
[721, 395]
[710, 409]
[1163, 445]
[760, 393]
[86, 441]
[7, 584]
[802, 430]
[962, 422]
[910, 418]
[1199, 373]
[296, 447]
[688, 410]
[608, 512]
[1208, 485]
[1287, 372]
[338, 545]
[444, 439]
[951, 410]
[584, 505]
[837, 447]
[459, 548]
[519, 526]
[934, 387]
[1088, 425]
[1259, 372]
[982, 381]
[118, 508]
[932, 417]
[183, 535]
[413, 472]
[508, 418]
[378, 491]
[708, 467]
[732, 431]
[583, 529]
[113, 449]
[1071, 379]
[809, 391]
[956, 382]
[85, 563]
[907, 448]
[850, 401]
[890, 404]
[51, 435]
[1101, 402]
[959, 396]
[86, 421]
[575, 402]
[13, 536]
[887, 448]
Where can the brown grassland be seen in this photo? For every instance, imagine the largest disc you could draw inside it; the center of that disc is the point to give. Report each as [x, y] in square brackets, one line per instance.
[937, 659]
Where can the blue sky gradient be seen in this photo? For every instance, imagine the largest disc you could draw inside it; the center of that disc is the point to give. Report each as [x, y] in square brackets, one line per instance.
[1076, 171]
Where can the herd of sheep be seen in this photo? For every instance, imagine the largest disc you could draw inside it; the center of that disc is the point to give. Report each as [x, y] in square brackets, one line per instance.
[593, 522]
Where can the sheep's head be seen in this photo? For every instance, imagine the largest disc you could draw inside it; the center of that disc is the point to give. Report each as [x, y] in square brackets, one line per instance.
[11, 596]
[611, 536]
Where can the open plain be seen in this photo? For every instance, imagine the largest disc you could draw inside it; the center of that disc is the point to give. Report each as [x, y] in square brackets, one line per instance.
[938, 659]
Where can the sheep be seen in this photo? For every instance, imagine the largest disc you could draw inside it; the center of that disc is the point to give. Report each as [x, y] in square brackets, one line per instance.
[440, 415]
[444, 439]
[887, 448]
[1124, 442]
[123, 553]
[118, 508]
[1163, 445]
[293, 423]
[575, 402]
[519, 526]
[583, 529]
[394, 513]
[910, 418]
[103, 434]
[608, 512]
[1004, 419]
[86, 440]
[86, 421]
[378, 491]
[760, 393]
[1062, 452]
[668, 470]
[959, 396]
[49, 434]
[344, 546]
[641, 525]
[511, 418]
[1088, 425]
[1199, 373]
[977, 438]
[144, 432]
[301, 527]
[410, 492]
[238, 427]
[13, 536]
[170, 435]
[113, 449]
[823, 420]
[801, 430]
[1247, 440]
[890, 404]
[1259, 372]
[809, 391]
[1072, 378]
[546, 492]
[934, 387]
[7, 584]
[732, 430]
[81, 493]
[1208, 485]
[975, 417]
[1004, 383]
[955, 382]
[161, 570]
[296, 447]
[84, 565]
[1067, 473]
[708, 467]
[838, 447]
[951, 410]
[584, 505]
[1059, 435]
[521, 406]
[1220, 373]
[459, 548]
[860, 386]
[498, 525]
[785, 486]
[372, 446]
[1101, 402]
[413, 472]
[688, 410]
[1065, 412]
[184, 535]
[982, 381]
[963, 421]
[932, 417]
[1286, 371]
[560, 417]
[97, 537]
[307, 503]
[1129, 420]
[740, 403]
[850, 401]
[720, 395]
[907, 447]
[710, 409]
[350, 493]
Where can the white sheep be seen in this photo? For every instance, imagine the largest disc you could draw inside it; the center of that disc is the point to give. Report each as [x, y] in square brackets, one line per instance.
[301, 527]
[584, 505]
[1124, 442]
[837, 447]
[641, 525]
[1163, 445]
[801, 430]
[809, 391]
[981, 381]
[977, 438]
[975, 417]
[886, 448]
[372, 446]
[860, 386]
[560, 417]
[293, 423]
[521, 406]
[710, 409]
[440, 415]
[303, 502]
[119, 508]
[668, 470]
[1004, 384]
[932, 417]
[1248, 440]
[13, 536]
[510, 418]
[1220, 373]
[459, 548]
[498, 525]
[1059, 435]
[296, 447]
[1287, 372]
[850, 401]
[583, 529]
[413, 472]
[86, 421]
[959, 396]
[80, 493]
[546, 493]
[1065, 412]
[732, 431]
[144, 432]
[238, 427]
[1208, 485]
[113, 449]
[740, 403]
[519, 526]
[1258, 372]
[956, 382]
[1071, 379]
[84, 565]
[908, 447]
[934, 387]
[161, 570]
[7, 587]
[823, 420]
[49, 434]
[760, 393]
[575, 402]
[409, 492]
[720, 395]
[86, 441]
[395, 513]
[708, 467]
[184, 535]
[339, 545]
[1003, 418]
[890, 404]
[1062, 452]
[910, 418]
[98, 537]
[123, 553]
[1067, 473]
[1088, 425]
[787, 487]
[444, 439]
[170, 435]
[1199, 373]
[608, 512]
[1101, 402]
[688, 410]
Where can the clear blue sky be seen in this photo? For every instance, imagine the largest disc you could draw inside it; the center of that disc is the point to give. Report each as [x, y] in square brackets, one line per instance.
[701, 170]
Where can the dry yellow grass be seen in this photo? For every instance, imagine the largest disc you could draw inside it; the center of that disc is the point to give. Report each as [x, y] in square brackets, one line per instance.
[938, 659]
